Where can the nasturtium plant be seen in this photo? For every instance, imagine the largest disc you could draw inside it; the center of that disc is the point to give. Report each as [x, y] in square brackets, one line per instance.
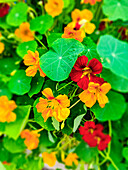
[40, 24]
[116, 9]
[63, 84]
[114, 55]
[59, 60]
[20, 83]
[17, 15]
[25, 46]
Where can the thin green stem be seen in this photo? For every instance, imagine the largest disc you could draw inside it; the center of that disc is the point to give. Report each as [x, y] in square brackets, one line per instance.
[65, 86]
[40, 41]
[74, 104]
[110, 134]
[102, 154]
[32, 126]
[113, 163]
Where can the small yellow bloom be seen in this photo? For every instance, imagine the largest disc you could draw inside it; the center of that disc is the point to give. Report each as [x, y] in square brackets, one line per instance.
[31, 138]
[1, 47]
[6, 108]
[71, 158]
[95, 92]
[49, 158]
[54, 7]
[53, 106]
[24, 32]
[32, 60]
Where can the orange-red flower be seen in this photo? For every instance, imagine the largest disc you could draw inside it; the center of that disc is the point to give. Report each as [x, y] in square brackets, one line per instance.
[71, 33]
[54, 7]
[92, 2]
[6, 108]
[24, 32]
[4, 9]
[31, 138]
[53, 106]
[95, 91]
[81, 21]
[1, 47]
[32, 60]
[70, 159]
[49, 158]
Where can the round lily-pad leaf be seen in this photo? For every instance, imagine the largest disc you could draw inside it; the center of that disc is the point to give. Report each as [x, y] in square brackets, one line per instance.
[114, 55]
[25, 46]
[20, 83]
[113, 110]
[41, 23]
[57, 63]
[116, 9]
[8, 65]
[17, 15]
[4, 90]
[118, 83]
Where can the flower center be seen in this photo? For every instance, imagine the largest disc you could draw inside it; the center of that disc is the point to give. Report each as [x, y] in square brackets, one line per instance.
[26, 32]
[91, 130]
[98, 139]
[71, 34]
[86, 71]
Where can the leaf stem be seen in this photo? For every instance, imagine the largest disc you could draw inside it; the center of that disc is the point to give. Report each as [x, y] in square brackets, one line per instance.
[74, 104]
[110, 134]
[65, 86]
[40, 42]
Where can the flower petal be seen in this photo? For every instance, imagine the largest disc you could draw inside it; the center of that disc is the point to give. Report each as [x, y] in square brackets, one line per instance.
[81, 63]
[83, 82]
[95, 66]
[75, 75]
[47, 92]
[31, 71]
[105, 88]
[89, 27]
[102, 99]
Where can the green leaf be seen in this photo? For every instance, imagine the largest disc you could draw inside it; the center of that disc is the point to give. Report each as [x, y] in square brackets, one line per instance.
[20, 83]
[64, 54]
[121, 166]
[89, 49]
[4, 154]
[77, 121]
[25, 46]
[52, 37]
[56, 124]
[114, 55]
[66, 3]
[116, 9]
[40, 120]
[85, 152]
[3, 23]
[41, 23]
[117, 83]
[8, 65]
[2, 166]
[14, 129]
[4, 90]
[14, 146]
[24, 100]
[125, 153]
[36, 84]
[35, 163]
[18, 14]
[113, 110]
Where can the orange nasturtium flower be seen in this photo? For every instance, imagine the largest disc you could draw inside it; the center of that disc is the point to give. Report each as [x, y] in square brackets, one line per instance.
[92, 2]
[95, 92]
[6, 108]
[31, 138]
[1, 45]
[53, 106]
[54, 7]
[24, 32]
[71, 33]
[71, 158]
[32, 60]
[49, 158]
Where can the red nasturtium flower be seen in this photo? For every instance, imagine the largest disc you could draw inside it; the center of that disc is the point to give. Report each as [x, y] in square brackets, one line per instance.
[95, 91]
[6, 109]
[83, 73]
[93, 135]
[124, 33]
[54, 7]
[31, 138]
[6, 163]
[4, 9]
[92, 2]
[53, 106]
[32, 60]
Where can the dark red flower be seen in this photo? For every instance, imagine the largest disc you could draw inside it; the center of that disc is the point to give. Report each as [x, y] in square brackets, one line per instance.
[102, 26]
[93, 135]
[83, 73]
[124, 33]
[4, 9]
